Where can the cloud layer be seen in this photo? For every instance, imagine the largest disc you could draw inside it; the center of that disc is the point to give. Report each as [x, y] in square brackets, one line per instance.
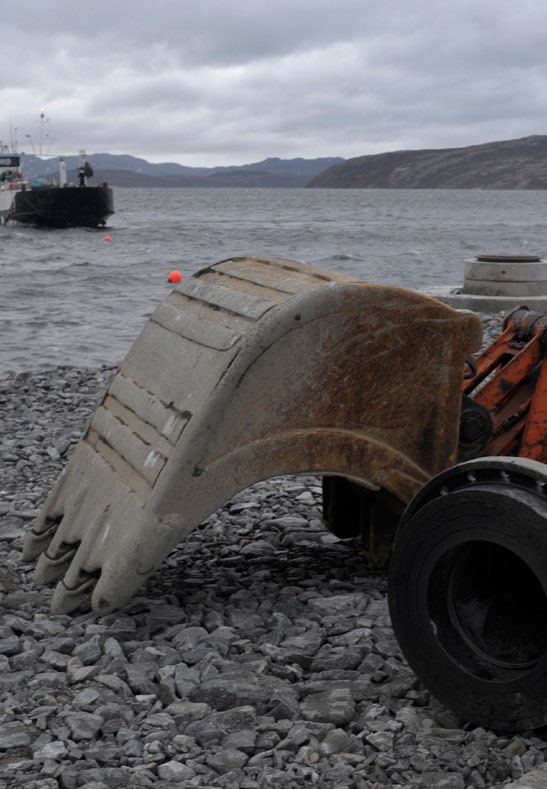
[234, 81]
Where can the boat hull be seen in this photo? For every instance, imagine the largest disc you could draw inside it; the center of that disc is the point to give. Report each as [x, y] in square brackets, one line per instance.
[68, 206]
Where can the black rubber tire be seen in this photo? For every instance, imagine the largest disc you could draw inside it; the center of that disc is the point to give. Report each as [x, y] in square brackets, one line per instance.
[467, 592]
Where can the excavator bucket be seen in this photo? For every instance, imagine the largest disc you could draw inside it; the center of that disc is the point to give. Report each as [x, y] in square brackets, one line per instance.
[252, 368]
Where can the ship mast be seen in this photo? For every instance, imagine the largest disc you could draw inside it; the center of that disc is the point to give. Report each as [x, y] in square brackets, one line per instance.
[44, 135]
[13, 137]
[43, 124]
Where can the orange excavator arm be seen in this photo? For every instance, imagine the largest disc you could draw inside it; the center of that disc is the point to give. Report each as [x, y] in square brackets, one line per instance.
[510, 383]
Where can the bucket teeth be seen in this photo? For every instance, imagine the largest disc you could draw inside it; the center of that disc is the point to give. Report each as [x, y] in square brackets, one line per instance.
[65, 600]
[50, 568]
[252, 368]
[37, 542]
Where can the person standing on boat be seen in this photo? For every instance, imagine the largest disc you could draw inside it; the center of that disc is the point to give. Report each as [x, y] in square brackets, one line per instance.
[85, 172]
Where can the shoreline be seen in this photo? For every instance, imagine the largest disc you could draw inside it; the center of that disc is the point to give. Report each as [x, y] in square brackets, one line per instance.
[260, 655]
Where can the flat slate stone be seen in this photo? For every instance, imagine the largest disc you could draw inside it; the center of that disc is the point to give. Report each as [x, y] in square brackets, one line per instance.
[535, 779]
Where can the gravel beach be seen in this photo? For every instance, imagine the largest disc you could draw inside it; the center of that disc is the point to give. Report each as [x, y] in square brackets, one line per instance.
[260, 655]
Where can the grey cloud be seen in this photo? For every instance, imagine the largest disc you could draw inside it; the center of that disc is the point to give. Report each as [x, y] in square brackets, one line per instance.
[233, 81]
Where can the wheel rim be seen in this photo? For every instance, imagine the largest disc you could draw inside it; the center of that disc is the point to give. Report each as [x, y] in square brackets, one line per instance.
[488, 609]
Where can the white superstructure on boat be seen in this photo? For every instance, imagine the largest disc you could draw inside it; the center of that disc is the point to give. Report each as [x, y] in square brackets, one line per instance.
[11, 180]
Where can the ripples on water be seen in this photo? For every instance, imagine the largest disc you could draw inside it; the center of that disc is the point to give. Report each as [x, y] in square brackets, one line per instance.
[71, 297]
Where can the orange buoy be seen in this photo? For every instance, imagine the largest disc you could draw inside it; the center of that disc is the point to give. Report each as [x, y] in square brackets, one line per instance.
[174, 276]
[107, 238]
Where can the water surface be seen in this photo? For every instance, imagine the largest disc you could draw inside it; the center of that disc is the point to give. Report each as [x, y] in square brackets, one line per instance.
[71, 297]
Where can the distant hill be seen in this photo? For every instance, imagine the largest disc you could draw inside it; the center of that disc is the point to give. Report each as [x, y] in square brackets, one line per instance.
[229, 178]
[130, 171]
[513, 164]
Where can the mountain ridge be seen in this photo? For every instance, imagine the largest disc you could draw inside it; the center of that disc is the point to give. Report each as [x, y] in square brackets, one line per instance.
[506, 164]
[131, 171]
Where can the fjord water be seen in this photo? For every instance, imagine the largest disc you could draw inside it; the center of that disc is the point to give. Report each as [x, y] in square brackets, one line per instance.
[71, 297]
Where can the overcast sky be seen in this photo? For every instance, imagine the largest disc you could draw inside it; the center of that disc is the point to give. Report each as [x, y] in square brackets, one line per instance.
[217, 82]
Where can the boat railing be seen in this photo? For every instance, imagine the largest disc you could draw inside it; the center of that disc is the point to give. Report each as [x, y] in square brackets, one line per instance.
[14, 184]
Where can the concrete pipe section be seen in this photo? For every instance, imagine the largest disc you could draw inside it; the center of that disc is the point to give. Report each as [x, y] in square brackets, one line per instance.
[495, 283]
[506, 275]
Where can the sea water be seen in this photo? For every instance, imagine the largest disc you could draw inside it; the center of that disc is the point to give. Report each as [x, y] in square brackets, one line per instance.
[72, 297]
